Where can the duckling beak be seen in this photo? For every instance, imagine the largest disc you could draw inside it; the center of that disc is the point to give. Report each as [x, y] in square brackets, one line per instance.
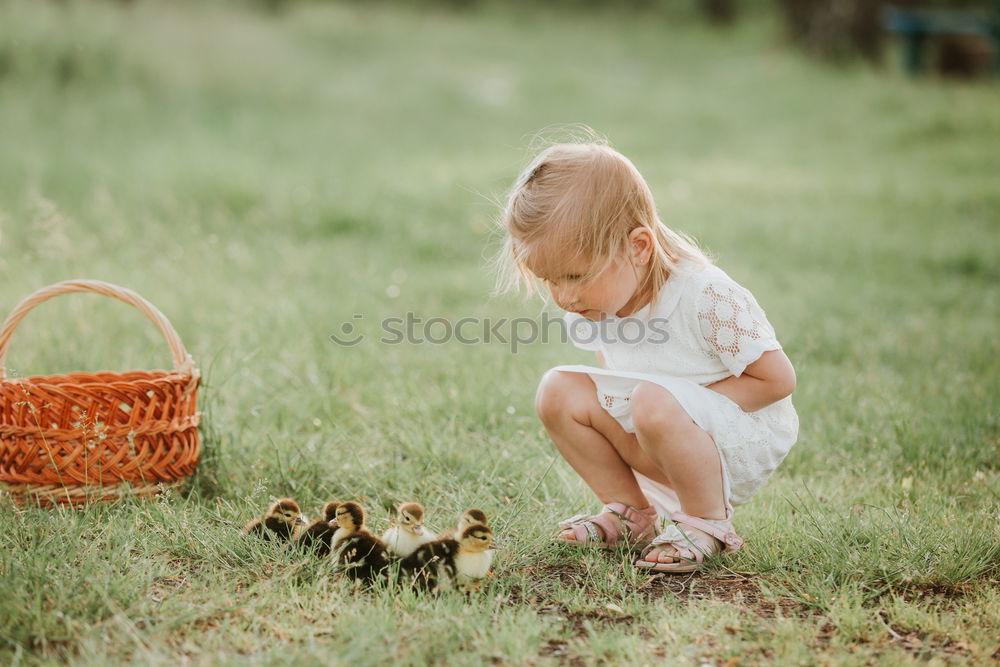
[496, 547]
[302, 519]
[418, 529]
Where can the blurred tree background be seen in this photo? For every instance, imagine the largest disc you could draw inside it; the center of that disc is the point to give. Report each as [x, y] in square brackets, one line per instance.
[966, 30]
[833, 30]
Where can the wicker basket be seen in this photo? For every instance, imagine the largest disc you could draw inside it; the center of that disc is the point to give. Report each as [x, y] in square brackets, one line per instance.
[85, 437]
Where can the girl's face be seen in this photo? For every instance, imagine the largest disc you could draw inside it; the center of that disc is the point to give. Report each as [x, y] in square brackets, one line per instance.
[613, 292]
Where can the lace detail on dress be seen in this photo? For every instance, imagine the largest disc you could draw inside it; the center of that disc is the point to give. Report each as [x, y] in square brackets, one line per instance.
[734, 326]
[610, 400]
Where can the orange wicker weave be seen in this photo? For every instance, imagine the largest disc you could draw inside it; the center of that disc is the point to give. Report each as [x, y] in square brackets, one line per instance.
[85, 437]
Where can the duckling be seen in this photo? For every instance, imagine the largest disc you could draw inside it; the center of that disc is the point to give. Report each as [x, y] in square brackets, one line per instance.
[445, 563]
[432, 565]
[408, 531]
[469, 517]
[318, 535]
[281, 521]
[475, 555]
[363, 556]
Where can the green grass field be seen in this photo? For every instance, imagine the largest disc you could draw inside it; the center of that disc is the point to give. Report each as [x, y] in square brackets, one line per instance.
[263, 178]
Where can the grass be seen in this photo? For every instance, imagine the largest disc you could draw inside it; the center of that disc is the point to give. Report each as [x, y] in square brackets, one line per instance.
[264, 178]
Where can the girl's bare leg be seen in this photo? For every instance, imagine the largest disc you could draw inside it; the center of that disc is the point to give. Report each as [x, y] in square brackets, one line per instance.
[685, 453]
[590, 439]
[668, 447]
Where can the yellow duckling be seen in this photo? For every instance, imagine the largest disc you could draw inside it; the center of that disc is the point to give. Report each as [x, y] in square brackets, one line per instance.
[475, 555]
[448, 562]
[281, 521]
[407, 531]
[318, 535]
[362, 555]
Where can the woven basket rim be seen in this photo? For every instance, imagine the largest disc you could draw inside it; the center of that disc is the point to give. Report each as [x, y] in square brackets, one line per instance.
[102, 377]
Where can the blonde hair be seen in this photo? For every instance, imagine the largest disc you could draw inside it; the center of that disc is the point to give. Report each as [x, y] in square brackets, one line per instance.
[582, 200]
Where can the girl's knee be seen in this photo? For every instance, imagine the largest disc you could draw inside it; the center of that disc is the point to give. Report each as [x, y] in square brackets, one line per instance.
[557, 392]
[655, 410]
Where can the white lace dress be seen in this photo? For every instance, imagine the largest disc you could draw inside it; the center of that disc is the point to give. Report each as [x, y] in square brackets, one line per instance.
[702, 328]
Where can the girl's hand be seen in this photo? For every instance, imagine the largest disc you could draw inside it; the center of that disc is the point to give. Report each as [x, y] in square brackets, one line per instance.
[765, 381]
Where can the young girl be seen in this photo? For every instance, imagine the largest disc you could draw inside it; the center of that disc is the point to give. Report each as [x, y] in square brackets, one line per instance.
[690, 410]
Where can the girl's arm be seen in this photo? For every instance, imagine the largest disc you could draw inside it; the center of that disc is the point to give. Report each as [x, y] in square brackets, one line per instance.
[765, 381]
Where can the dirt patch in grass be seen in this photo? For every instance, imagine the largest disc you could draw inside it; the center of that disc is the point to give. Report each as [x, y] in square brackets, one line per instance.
[946, 595]
[561, 650]
[739, 590]
[576, 623]
[744, 592]
[578, 619]
[926, 645]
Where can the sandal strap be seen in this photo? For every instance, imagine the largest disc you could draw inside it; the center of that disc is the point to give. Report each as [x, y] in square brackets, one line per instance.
[720, 529]
[617, 520]
[609, 525]
[574, 520]
[679, 540]
[583, 532]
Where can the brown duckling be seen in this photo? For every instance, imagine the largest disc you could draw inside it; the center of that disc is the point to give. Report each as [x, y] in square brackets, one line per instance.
[362, 556]
[407, 531]
[318, 535]
[450, 562]
[281, 521]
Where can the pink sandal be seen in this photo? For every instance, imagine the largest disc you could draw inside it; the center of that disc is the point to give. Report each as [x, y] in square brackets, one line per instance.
[617, 523]
[691, 550]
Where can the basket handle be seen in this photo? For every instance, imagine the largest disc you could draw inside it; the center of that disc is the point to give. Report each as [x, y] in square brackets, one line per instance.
[183, 363]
